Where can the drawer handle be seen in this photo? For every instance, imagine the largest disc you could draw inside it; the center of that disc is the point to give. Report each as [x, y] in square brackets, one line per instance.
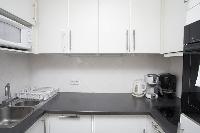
[69, 117]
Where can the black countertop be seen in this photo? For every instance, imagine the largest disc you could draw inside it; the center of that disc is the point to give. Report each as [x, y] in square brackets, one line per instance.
[107, 104]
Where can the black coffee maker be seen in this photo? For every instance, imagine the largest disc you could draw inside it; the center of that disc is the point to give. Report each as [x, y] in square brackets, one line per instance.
[167, 83]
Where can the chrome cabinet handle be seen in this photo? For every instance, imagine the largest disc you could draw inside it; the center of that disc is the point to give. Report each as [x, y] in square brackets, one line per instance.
[70, 40]
[134, 40]
[69, 117]
[127, 42]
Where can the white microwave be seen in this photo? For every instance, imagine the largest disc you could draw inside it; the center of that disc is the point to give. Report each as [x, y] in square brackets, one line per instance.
[14, 35]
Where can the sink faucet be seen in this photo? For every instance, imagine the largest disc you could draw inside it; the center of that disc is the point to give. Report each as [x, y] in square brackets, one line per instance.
[7, 91]
[9, 99]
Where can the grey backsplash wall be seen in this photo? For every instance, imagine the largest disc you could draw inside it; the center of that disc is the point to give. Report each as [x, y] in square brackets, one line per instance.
[176, 68]
[108, 74]
[14, 69]
[96, 74]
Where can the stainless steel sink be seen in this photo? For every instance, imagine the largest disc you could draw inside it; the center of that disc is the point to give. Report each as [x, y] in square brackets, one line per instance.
[27, 103]
[10, 116]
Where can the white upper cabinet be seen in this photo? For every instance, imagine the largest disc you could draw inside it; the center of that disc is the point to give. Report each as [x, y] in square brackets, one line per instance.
[174, 12]
[52, 26]
[24, 9]
[146, 26]
[98, 26]
[83, 26]
[114, 25]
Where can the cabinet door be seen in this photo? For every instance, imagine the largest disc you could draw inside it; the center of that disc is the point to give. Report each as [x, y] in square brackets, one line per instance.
[38, 127]
[120, 124]
[174, 21]
[23, 9]
[146, 16]
[52, 26]
[83, 26]
[69, 123]
[114, 24]
[188, 125]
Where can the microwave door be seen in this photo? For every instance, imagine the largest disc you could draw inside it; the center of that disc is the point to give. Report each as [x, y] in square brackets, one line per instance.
[14, 35]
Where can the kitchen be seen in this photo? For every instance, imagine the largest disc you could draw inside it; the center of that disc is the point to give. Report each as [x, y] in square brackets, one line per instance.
[93, 52]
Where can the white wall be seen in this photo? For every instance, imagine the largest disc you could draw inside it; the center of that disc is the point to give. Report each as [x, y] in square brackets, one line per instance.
[94, 74]
[14, 69]
[176, 67]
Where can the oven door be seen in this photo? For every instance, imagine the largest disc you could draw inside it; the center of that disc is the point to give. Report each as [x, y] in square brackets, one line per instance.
[191, 89]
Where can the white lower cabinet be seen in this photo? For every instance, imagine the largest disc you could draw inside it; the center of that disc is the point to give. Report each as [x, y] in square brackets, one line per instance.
[72, 123]
[187, 125]
[69, 123]
[38, 127]
[120, 124]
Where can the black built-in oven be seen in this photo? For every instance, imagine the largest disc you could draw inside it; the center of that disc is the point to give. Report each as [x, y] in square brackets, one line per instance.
[190, 100]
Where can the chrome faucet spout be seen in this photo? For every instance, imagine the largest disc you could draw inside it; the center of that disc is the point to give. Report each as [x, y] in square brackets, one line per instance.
[7, 90]
[9, 99]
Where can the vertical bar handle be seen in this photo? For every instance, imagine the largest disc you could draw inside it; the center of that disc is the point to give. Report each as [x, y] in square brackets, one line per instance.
[70, 40]
[134, 40]
[127, 42]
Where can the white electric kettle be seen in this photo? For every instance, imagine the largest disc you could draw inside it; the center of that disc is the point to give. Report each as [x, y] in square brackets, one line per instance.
[139, 88]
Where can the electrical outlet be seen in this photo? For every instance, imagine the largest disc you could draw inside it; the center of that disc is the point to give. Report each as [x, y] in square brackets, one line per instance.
[74, 82]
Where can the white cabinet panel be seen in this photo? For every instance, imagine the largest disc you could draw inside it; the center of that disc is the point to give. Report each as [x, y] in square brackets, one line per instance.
[146, 16]
[37, 127]
[114, 24]
[52, 26]
[23, 9]
[83, 26]
[188, 125]
[63, 124]
[193, 15]
[120, 124]
[173, 25]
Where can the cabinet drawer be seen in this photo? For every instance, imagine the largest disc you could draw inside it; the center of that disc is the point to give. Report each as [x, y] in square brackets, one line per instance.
[69, 123]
